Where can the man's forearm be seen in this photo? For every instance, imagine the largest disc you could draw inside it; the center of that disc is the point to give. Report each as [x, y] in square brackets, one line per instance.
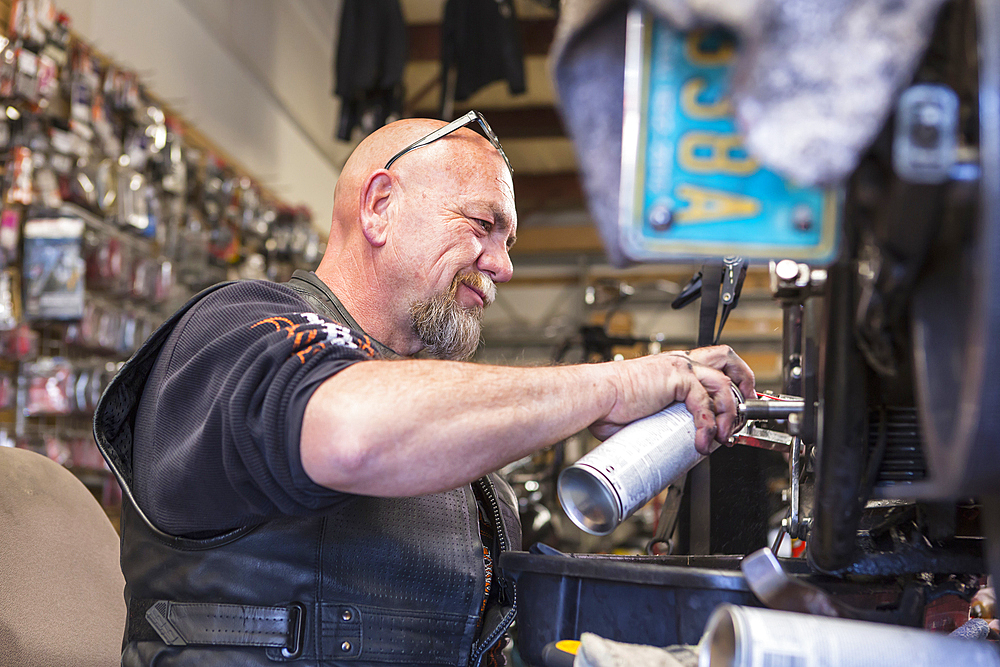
[401, 428]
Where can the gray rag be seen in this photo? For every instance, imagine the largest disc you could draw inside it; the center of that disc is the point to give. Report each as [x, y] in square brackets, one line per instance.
[974, 628]
[815, 81]
[596, 651]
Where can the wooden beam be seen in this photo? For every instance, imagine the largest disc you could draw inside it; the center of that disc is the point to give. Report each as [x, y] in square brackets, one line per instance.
[548, 192]
[5, 7]
[582, 239]
[424, 39]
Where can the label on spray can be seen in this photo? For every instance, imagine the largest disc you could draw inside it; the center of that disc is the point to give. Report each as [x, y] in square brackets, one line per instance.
[624, 472]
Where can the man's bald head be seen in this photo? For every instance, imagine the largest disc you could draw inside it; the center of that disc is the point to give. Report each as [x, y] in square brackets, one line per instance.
[434, 229]
[460, 149]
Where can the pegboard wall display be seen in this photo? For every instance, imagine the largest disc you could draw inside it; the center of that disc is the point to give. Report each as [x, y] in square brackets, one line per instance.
[114, 211]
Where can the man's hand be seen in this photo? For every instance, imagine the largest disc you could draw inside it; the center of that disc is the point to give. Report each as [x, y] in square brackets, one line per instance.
[700, 378]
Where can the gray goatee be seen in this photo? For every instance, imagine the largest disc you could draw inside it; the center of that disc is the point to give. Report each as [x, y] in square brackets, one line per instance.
[448, 329]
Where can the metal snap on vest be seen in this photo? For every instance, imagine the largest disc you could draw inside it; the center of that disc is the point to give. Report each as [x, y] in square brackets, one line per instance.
[345, 647]
[346, 615]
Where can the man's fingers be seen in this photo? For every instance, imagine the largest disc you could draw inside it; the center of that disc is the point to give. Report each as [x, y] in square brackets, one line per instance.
[723, 358]
[718, 386]
[725, 416]
[699, 404]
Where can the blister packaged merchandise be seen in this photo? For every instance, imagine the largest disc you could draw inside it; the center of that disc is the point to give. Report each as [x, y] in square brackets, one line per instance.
[53, 269]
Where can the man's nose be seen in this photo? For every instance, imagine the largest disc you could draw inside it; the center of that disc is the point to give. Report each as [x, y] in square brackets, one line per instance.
[495, 261]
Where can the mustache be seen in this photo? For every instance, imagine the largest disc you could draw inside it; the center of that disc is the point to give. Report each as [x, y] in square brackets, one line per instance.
[479, 282]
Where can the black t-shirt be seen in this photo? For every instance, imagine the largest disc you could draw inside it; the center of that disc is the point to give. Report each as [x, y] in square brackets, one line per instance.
[217, 432]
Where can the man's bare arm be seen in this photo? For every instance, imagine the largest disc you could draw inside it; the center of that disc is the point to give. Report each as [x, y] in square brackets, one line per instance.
[401, 428]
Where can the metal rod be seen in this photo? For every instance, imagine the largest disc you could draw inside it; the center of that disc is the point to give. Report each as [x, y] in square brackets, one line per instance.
[770, 409]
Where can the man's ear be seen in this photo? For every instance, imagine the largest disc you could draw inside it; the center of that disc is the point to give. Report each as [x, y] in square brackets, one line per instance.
[374, 207]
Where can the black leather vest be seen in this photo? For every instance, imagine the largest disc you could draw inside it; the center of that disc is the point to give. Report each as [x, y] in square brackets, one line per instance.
[373, 581]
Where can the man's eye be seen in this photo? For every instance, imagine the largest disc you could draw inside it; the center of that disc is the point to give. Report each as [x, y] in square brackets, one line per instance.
[485, 224]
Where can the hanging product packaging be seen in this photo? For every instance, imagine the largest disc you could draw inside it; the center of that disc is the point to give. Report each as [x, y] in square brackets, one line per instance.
[8, 306]
[10, 236]
[46, 80]
[83, 84]
[50, 383]
[8, 72]
[164, 281]
[58, 42]
[26, 81]
[133, 206]
[20, 173]
[107, 186]
[154, 213]
[224, 242]
[84, 333]
[173, 164]
[81, 188]
[121, 90]
[47, 190]
[105, 257]
[144, 274]
[27, 18]
[20, 343]
[63, 148]
[8, 391]
[53, 269]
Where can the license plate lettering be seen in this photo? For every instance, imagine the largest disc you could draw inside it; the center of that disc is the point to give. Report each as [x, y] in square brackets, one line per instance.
[708, 205]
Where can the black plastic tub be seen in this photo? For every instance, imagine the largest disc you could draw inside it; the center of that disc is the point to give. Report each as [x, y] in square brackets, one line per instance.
[653, 600]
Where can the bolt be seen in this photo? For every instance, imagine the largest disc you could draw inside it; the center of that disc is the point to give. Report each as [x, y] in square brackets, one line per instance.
[794, 423]
[802, 217]
[787, 270]
[785, 523]
[661, 218]
[796, 372]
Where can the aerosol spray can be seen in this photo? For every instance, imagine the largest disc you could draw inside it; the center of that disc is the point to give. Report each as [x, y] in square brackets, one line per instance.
[623, 473]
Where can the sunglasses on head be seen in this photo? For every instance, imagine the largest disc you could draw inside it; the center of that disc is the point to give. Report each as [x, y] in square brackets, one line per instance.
[445, 130]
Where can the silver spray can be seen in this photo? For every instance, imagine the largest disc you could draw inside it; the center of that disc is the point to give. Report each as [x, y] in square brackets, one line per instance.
[623, 473]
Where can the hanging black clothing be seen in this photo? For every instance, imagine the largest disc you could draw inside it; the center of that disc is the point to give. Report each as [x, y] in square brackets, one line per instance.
[371, 54]
[482, 41]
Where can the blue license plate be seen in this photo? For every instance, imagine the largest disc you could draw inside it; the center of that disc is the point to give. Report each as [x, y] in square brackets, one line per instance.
[689, 188]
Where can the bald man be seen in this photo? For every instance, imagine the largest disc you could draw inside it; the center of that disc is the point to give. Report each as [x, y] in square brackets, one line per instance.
[298, 487]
